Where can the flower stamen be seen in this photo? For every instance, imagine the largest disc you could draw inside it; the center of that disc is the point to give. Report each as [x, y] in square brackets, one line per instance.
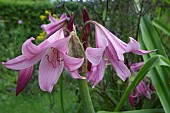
[55, 58]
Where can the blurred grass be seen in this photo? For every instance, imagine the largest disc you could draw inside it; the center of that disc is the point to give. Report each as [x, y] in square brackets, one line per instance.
[38, 101]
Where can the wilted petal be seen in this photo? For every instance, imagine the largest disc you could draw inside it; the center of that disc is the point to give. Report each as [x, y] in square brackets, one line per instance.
[121, 69]
[71, 63]
[136, 66]
[133, 46]
[49, 71]
[23, 78]
[132, 96]
[142, 88]
[29, 49]
[94, 55]
[131, 100]
[147, 94]
[21, 62]
[96, 74]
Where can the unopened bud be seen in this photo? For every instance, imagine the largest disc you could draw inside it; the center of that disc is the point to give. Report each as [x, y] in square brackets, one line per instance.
[76, 50]
[85, 19]
[86, 34]
[71, 22]
[23, 78]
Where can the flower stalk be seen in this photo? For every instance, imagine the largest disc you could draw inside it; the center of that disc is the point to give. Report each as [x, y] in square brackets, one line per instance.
[61, 94]
[76, 50]
[85, 96]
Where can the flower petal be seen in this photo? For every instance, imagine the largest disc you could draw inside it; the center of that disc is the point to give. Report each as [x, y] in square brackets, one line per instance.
[71, 63]
[143, 52]
[52, 39]
[29, 49]
[133, 46]
[57, 41]
[136, 66]
[63, 16]
[142, 88]
[118, 45]
[94, 55]
[52, 19]
[101, 41]
[96, 74]
[56, 36]
[21, 62]
[54, 26]
[132, 96]
[76, 75]
[131, 100]
[121, 69]
[49, 71]
[61, 45]
[23, 78]
[91, 74]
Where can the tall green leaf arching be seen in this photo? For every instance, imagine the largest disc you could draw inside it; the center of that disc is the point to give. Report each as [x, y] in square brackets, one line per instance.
[150, 39]
[157, 60]
[160, 24]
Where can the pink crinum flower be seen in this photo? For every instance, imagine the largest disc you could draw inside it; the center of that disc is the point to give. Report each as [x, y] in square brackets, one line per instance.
[53, 55]
[142, 88]
[113, 48]
[55, 25]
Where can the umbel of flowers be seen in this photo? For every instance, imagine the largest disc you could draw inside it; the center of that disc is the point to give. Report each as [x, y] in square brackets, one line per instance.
[61, 42]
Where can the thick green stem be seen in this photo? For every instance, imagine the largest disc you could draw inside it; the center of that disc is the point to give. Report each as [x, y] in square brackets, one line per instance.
[61, 94]
[85, 96]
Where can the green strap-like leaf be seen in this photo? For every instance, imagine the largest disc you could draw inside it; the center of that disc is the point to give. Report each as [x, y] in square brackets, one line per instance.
[160, 75]
[162, 26]
[167, 1]
[157, 60]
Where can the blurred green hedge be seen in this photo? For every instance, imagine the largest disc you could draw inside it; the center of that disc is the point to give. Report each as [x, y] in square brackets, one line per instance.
[28, 12]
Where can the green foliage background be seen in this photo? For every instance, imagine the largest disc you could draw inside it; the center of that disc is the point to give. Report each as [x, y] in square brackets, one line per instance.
[120, 17]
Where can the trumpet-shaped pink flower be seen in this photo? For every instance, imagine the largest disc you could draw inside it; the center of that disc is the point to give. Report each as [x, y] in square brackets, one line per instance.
[53, 55]
[142, 88]
[55, 24]
[111, 46]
